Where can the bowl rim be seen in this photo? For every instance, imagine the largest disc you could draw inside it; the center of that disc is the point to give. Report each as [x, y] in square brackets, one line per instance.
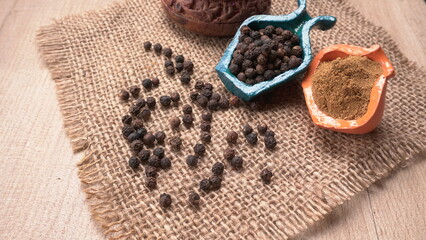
[374, 53]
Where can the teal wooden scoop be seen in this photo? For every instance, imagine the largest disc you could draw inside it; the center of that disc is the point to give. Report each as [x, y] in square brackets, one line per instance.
[300, 23]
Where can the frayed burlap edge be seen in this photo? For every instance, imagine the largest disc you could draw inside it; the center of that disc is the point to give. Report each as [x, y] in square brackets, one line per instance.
[54, 50]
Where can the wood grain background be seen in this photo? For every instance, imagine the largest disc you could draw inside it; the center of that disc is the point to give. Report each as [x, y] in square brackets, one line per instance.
[40, 195]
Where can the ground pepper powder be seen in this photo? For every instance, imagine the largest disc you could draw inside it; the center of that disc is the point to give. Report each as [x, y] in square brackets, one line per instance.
[341, 88]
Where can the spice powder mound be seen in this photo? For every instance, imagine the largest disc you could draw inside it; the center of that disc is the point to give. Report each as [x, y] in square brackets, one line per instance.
[341, 88]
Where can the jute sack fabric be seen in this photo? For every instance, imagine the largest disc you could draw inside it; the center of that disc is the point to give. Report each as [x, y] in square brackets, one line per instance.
[92, 56]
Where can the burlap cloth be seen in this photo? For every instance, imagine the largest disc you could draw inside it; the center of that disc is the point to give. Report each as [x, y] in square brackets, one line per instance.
[92, 56]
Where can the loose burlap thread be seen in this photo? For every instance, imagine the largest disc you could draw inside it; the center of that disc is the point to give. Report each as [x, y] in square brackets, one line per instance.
[92, 56]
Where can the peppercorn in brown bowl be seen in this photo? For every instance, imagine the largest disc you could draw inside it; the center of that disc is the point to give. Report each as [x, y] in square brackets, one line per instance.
[295, 26]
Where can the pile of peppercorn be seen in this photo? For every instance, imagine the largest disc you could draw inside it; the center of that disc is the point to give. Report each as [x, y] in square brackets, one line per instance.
[264, 54]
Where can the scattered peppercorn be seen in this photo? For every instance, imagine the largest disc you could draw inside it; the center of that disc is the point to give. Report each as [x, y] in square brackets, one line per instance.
[174, 122]
[187, 119]
[151, 171]
[150, 102]
[155, 81]
[175, 143]
[234, 100]
[149, 139]
[199, 149]
[134, 90]
[207, 93]
[262, 128]
[232, 137]
[207, 116]
[159, 152]
[167, 52]
[179, 67]
[165, 101]
[126, 119]
[140, 102]
[202, 100]
[165, 163]
[154, 161]
[194, 198]
[141, 131]
[170, 70]
[187, 109]
[124, 95]
[251, 138]
[199, 85]
[127, 130]
[165, 200]
[215, 182]
[175, 97]
[270, 142]
[134, 162]
[218, 168]
[205, 126]
[136, 145]
[137, 124]
[158, 48]
[237, 162]
[160, 136]
[247, 129]
[147, 45]
[269, 133]
[205, 185]
[134, 110]
[213, 105]
[144, 155]
[188, 65]
[193, 96]
[168, 63]
[206, 137]
[185, 78]
[151, 182]
[147, 83]
[145, 114]
[133, 136]
[224, 103]
[179, 58]
[216, 97]
[266, 175]
[229, 154]
[208, 86]
[192, 160]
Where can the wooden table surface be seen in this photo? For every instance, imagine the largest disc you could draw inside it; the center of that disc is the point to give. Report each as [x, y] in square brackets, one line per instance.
[40, 195]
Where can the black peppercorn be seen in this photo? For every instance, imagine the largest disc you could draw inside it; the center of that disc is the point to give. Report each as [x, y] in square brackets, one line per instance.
[134, 90]
[259, 79]
[141, 131]
[218, 168]
[260, 69]
[154, 161]
[147, 83]
[205, 185]
[179, 58]
[193, 96]
[187, 119]
[144, 155]
[270, 142]
[234, 68]
[160, 136]
[124, 95]
[199, 85]
[159, 152]
[266, 175]
[179, 67]
[170, 70]
[136, 145]
[194, 198]
[133, 137]
[229, 154]
[165, 163]
[149, 139]
[192, 160]
[202, 101]
[232, 137]
[134, 162]
[269, 74]
[188, 65]
[158, 48]
[140, 102]
[147, 45]
[155, 81]
[294, 62]
[137, 124]
[224, 103]
[168, 63]
[187, 109]
[297, 51]
[206, 137]
[262, 128]
[175, 143]
[245, 30]
[185, 78]
[251, 138]
[151, 182]
[269, 133]
[208, 86]
[150, 102]
[126, 119]
[205, 126]
[237, 162]
[165, 200]
[213, 105]
[151, 171]
[247, 129]
[199, 149]
[167, 52]
[174, 122]
[145, 114]
[175, 96]
[207, 116]
[216, 97]
[238, 59]
[215, 182]
[165, 101]
[242, 77]
[207, 93]
[134, 110]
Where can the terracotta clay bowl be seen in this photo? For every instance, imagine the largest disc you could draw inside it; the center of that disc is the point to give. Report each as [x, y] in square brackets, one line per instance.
[369, 121]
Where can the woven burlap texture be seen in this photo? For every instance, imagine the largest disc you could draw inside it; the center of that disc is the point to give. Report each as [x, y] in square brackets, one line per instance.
[92, 56]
